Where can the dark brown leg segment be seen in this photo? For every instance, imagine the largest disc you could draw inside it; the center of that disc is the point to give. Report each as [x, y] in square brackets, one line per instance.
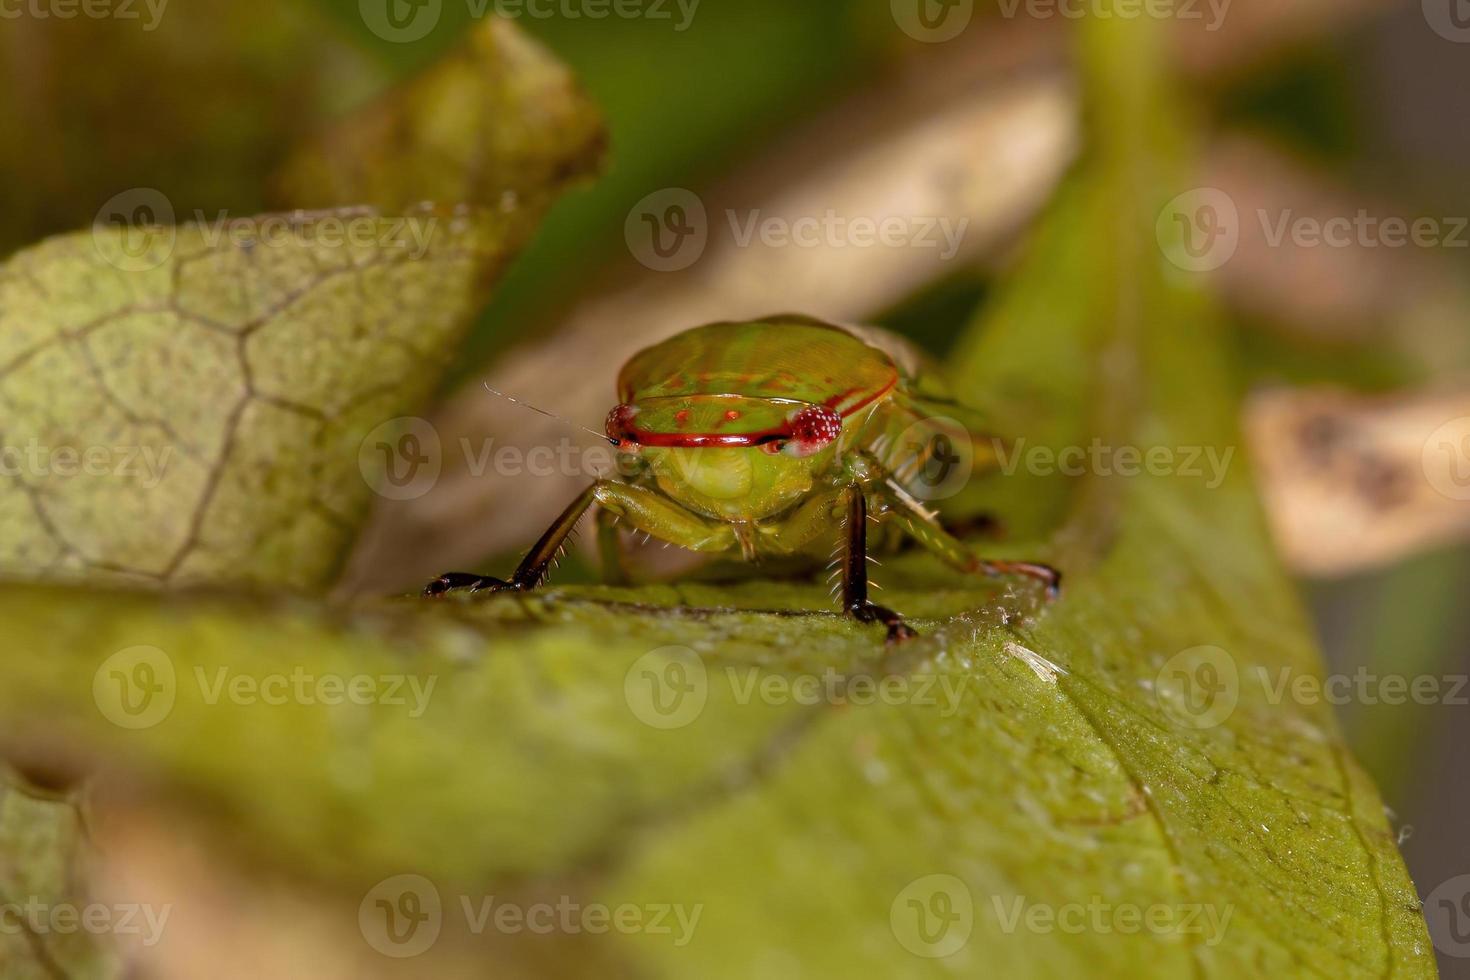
[855, 601]
[533, 568]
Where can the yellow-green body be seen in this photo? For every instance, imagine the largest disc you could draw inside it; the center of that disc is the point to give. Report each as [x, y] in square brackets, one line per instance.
[758, 499]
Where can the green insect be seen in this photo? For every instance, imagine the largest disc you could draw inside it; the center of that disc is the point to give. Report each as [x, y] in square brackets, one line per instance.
[758, 439]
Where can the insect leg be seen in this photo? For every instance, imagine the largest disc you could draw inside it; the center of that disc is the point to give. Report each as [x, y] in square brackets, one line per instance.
[855, 572]
[813, 519]
[609, 549]
[641, 508]
[924, 528]
[532, 570]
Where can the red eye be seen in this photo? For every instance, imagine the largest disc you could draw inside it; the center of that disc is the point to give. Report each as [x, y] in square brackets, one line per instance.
[732, 415]
[620, 423]
[812, 429]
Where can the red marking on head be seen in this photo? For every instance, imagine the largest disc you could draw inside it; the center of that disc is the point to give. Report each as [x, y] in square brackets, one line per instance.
[619, 427]
[805, 432]
[682, 416]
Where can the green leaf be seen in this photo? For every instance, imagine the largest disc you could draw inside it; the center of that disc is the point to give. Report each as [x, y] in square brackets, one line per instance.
[43, 840]
[201, 402]
[204, 402]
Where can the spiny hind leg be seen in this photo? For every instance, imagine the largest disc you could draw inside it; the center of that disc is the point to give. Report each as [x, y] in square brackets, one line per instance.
[610, 549]
[846, 509]
[925, 528]
[641, 508]
[855, 599]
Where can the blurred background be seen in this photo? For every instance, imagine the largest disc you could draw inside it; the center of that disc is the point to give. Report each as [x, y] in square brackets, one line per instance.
[1340, 115]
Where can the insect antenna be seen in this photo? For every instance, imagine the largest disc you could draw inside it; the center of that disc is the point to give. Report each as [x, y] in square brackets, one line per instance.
[551, 415]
